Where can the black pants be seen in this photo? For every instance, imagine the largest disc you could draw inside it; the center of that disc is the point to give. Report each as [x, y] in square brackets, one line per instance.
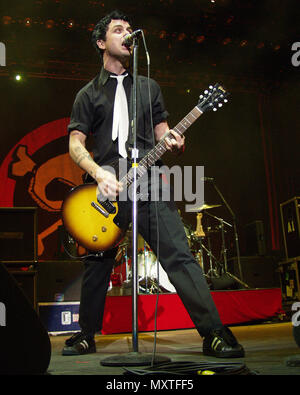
[175, 257]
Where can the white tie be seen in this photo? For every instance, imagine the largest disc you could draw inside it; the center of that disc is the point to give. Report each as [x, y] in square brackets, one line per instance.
[120, 118]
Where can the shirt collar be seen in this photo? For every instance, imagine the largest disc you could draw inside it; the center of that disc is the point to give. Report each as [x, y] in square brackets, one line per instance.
[105, 74]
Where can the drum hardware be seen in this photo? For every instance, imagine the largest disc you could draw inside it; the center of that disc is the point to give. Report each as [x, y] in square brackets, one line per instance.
[203, 207]
[239, 280]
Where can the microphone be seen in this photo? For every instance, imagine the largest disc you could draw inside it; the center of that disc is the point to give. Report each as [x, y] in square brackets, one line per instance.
[207, 179]
[128, 39]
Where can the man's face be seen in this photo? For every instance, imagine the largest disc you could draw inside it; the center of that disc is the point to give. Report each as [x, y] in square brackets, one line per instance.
[117, 30]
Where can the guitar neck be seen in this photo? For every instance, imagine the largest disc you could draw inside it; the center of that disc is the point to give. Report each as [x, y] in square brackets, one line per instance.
[160, 148]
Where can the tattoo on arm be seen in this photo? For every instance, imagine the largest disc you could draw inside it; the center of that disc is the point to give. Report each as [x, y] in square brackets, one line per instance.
[81, 154]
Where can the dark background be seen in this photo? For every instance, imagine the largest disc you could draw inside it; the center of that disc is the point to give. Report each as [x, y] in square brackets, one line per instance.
[250, 147]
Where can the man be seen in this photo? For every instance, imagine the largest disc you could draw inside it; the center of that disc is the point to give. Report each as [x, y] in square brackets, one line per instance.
[94, 111]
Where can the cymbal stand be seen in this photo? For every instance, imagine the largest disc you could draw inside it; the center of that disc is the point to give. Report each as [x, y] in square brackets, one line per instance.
[199, 234]
[211, 272]
[224, 250]
[235, 231]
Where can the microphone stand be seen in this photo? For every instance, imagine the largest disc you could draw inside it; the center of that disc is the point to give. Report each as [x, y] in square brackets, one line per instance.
[134, 358]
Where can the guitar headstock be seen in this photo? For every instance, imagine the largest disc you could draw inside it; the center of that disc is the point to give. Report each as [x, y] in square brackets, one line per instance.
[212, 98]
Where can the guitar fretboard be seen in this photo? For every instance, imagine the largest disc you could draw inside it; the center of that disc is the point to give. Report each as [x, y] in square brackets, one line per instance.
[160, 148]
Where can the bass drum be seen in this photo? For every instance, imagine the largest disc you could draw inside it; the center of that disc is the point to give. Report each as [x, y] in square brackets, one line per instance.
[150, 275]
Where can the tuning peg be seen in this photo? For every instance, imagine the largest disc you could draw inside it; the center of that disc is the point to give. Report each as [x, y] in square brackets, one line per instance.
[225, 101]
[211, 87]
[206, 91]
[215, 109]
[220, 104]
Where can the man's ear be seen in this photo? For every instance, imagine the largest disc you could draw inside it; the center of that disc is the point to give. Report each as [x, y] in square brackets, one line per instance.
[101, 44]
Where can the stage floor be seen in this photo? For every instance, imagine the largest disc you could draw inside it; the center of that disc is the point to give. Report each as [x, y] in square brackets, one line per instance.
[268, 346]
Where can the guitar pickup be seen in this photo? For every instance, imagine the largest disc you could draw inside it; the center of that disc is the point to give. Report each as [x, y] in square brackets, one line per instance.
[100, 209]
[108, 206]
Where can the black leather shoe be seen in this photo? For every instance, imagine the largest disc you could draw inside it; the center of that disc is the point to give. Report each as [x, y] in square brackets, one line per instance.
[221, 343]
[79, 344]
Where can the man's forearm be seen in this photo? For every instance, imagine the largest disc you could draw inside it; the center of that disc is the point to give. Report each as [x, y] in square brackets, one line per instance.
[83, 158]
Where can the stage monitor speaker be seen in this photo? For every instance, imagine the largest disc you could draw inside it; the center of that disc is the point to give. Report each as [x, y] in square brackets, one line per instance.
[25, 346]
[258, 271]
[18, 234]
[255, 238]
[290, 220]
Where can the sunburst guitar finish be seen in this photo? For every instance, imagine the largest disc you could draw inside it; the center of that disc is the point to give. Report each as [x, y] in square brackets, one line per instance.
[88, 222]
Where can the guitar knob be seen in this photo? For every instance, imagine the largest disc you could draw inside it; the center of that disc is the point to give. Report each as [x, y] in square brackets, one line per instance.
[104, 228]
[95, 238]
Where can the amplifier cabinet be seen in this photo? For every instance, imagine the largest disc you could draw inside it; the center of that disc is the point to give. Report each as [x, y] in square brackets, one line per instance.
[289, 279]
[18, 234]
[290, 221]
[59, 281]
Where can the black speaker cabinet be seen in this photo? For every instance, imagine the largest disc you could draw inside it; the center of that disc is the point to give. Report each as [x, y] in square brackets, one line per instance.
[18, 234]
[290, 220]
[257, 271]
[255, 238]
[59, 281]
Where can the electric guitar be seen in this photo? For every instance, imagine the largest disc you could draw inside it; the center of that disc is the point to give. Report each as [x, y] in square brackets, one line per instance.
[97, 223]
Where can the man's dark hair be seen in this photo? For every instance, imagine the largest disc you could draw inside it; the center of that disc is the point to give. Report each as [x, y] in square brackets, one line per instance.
[99, 32]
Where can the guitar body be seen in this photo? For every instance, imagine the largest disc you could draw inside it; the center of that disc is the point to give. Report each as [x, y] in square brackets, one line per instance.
[95, 230]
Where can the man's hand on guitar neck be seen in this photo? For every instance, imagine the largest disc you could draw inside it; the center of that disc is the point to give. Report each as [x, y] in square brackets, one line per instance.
[175, 143]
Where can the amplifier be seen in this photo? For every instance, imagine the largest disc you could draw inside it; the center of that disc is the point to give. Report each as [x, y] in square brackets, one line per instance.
[59, 281]
[290, 220]
[258, 271]
[18, 234]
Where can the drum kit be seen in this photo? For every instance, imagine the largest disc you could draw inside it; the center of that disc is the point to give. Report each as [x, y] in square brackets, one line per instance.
[151, 276]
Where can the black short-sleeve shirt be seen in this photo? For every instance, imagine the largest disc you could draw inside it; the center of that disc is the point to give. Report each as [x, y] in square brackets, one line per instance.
[92, 113]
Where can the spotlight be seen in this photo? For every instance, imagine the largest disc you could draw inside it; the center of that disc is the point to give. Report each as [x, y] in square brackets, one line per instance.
[181, 36]
[70, 24]
[18, 77]
[227, 41]
[243, 43]
[7, 20]
[49, 24]
[200, 39]
[27, 22]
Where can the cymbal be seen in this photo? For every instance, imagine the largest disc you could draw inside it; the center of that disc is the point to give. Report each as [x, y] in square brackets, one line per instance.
[204, 207]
